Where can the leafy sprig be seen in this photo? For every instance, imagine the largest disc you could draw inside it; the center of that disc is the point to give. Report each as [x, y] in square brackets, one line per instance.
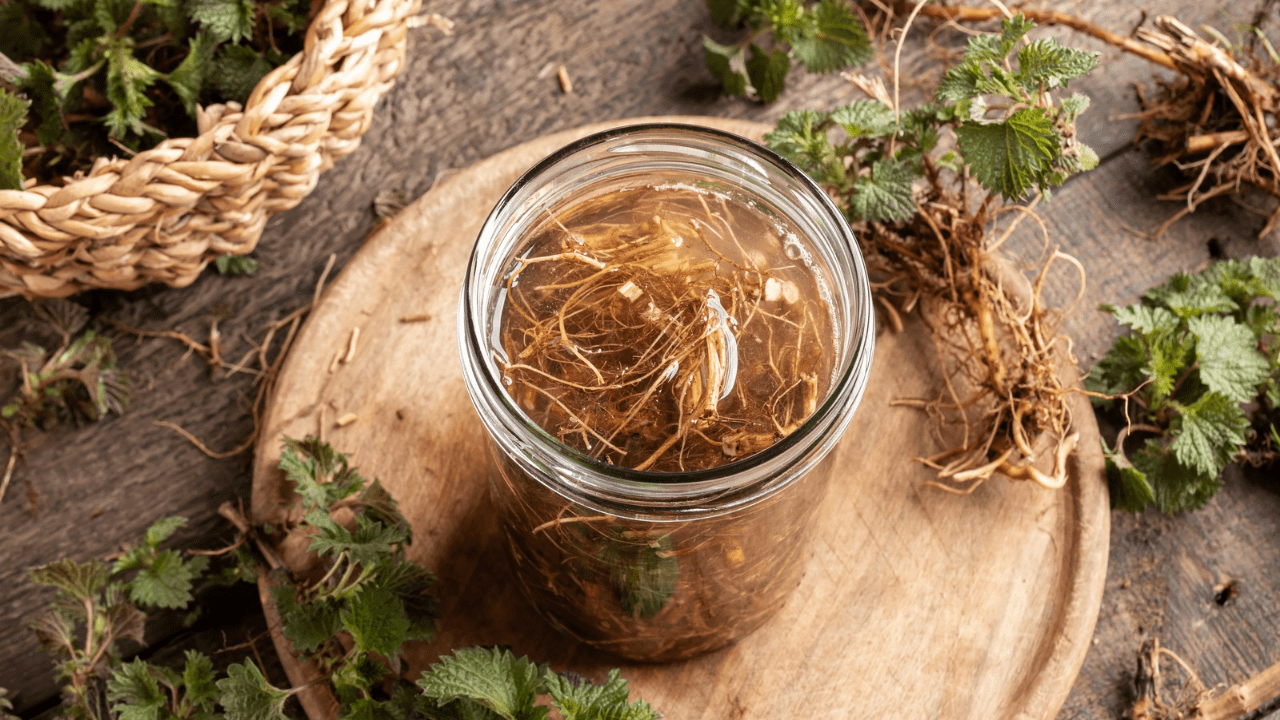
[823, 37]
[493, 684]
[77, 379]
[1012, 136]
[1200, 375]
[98, 606]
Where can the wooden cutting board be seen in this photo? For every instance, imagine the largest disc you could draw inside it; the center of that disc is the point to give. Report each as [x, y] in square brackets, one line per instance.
[915, 603]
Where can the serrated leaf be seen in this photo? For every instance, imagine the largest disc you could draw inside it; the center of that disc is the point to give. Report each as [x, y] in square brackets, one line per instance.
[495, 678]
[201, 691]
[587, 701]
[81, 580]
[720, 59]
[1013, 156]
[375, 618]
[886, 194]
[1128, 486]
[237, 69]
[136, 692]
[1190, 295]
[1146, 319]
[321, 475]
[1228, 356]
[643, 571]
[1046, 63]
[188, 79]
[799, 136]
[787, 19]
[1174, 485]
[13, 116]
[245, 694]
[1073, 106]
[368, 709]
[960, 83]
[162, 529]
[1208, 433]
[307, 626]
[166, 582]
[127, 81]
[236, 265]
[865, 118]
[767, 72]
[1087, 159]
[838, 40]
[225, 20]
[1122, 369]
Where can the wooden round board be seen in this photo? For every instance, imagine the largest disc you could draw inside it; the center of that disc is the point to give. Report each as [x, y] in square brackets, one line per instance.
[915, 603]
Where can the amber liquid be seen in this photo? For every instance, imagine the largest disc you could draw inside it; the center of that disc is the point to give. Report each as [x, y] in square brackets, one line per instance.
[666, 328]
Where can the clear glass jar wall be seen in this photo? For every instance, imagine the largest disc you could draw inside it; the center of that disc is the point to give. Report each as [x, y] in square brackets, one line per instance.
[662, 565]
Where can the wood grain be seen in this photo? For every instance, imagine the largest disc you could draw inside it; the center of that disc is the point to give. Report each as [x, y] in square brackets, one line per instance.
[959, 607]
[466, 97]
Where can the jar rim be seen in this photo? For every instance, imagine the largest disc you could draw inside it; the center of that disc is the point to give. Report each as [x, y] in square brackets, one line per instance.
[848, 380]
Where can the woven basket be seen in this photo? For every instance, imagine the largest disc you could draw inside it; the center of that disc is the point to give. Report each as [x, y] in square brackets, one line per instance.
[163, 214]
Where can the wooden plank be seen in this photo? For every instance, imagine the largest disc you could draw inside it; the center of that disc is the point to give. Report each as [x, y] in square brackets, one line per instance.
[461, 99]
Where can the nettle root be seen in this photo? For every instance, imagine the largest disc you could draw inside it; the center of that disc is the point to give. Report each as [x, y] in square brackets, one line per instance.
[1004, 406]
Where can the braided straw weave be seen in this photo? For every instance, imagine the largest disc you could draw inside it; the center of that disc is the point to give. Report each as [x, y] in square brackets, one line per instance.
[163, 214]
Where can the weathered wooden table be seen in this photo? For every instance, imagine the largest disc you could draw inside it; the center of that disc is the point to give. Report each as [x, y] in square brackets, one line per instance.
[1206, 583]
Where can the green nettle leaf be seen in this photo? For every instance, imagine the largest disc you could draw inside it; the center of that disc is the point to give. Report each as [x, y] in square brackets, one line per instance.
[308, 626]
[368, 709]
[799, 138]
[642, 571]
[225, 20]
[720, 60]
[167, 581]
[1228, 356]
[197, 679]
[838, 40]
[80, 580]
[1168, 354]
[585, 701]
[886, 194]
[961, 82]
[1208, 433]
[319, 474]
[1088, 159]
[188, 79]
[1129, 487]
[375, 618]
[1179, 487]
[866, 118]
[13, 115]
[768, 72]
[237, 70]
[236, 265]
[1073, 106]
[1143, 318]
[489, 676]
[1123, 368]
[1046, 63]
[1013, 156]
[162, 529]
[787, 18]
[136, 692]
[245, 694]
[127, 81]
[1189, 296]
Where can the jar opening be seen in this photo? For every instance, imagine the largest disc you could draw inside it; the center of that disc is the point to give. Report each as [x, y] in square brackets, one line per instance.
[664, 166]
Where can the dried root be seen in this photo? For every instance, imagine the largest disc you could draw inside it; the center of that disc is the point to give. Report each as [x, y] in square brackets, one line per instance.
[1192, 700]
[1005, 406]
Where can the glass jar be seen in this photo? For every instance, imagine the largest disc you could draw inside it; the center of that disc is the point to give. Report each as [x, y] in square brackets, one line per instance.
[648, 565]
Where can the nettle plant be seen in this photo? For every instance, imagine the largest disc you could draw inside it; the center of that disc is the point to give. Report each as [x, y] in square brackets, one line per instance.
[903, 177]
[1197, 379]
